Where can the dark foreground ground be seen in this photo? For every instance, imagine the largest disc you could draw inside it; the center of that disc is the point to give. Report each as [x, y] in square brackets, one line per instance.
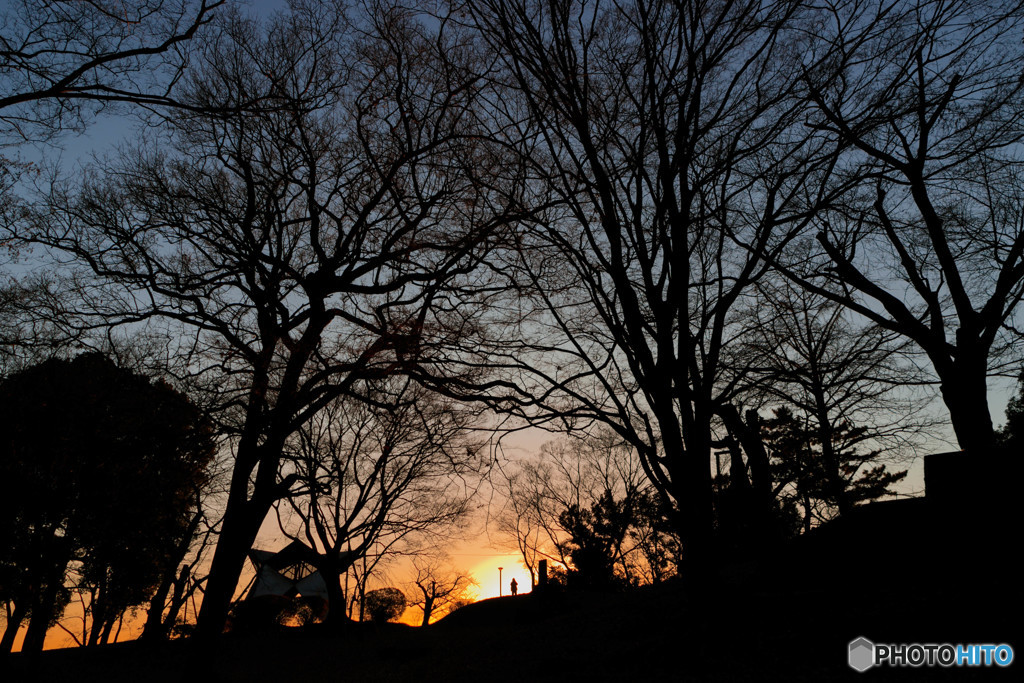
[786, 617]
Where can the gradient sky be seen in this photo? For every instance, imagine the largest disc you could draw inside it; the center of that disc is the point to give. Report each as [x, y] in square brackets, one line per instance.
[479, 554]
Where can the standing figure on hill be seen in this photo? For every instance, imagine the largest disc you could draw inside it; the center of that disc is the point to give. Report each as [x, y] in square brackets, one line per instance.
[515, 587]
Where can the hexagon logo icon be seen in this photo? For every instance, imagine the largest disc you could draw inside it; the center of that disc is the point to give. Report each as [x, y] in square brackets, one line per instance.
[862, 654]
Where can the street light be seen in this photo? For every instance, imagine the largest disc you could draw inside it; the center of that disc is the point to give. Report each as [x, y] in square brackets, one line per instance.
[499, 581]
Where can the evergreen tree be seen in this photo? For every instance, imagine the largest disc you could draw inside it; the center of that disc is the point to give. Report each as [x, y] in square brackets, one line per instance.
[801, 477]
[1011, 437]
[102, 467]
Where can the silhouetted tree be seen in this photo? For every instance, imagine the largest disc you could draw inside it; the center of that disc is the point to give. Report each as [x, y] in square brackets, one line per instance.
[301, 247]
[663, 136]
[384, 604]
[379, 475]
[104, 463]
[60, 60]
[438, 588]
[924, 99]
[802, 476]
[595, 539]
[1011, 436]
[654, 537]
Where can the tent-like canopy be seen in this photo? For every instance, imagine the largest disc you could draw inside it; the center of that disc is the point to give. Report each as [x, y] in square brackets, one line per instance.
[288, 572]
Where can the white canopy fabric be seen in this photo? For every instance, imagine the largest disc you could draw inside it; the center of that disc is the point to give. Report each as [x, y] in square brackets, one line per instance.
[287, 572]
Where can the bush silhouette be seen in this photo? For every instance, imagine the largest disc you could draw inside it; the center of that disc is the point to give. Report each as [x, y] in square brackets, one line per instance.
[384, 604]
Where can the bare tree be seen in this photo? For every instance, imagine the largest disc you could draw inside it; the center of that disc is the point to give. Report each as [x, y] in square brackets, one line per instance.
[662, 136]
[519, 524]
[807, 354]
[375, 478]
[60, 60]
[925, 100]
[436, 588]
[299, 249]
[373, 564]
[549, 499]
[528, 518]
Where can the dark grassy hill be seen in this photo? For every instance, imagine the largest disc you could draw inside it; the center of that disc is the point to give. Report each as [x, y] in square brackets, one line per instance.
[788, 616]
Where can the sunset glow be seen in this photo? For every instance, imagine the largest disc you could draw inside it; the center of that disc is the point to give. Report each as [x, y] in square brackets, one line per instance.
[494, 341]
[486, 575]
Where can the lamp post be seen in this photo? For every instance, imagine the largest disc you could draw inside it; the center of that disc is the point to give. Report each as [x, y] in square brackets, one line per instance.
[499, 581]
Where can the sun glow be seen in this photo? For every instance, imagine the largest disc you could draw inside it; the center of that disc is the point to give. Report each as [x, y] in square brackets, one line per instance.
[486, 573]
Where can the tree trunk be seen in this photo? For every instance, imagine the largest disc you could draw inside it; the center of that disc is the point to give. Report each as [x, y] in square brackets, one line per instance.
[13, 624]
[738, 479]
[835, 487]
[696, 498]
[428, 609]
[331, 570]
[244, 512]
[154, 628]
[99, 614]
[157, 626]
[42, 615]
[807, 514]
[177, 599]
[362, 592]
[108, 628]
[762, 519]
[757, 456]
[749, 435]
[965, 393]
[241, 524]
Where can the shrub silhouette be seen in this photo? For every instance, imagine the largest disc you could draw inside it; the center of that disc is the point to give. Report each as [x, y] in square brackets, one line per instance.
[383, 605]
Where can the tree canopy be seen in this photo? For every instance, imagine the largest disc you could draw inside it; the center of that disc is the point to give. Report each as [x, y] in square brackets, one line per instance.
[103, 465]
[1011, 436]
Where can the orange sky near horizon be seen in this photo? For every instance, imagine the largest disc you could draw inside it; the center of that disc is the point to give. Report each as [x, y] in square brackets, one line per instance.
[486, 574]
[482, 566]
[479, 554]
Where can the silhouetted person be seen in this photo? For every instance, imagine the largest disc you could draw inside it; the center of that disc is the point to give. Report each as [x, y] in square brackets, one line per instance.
[514, 586]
